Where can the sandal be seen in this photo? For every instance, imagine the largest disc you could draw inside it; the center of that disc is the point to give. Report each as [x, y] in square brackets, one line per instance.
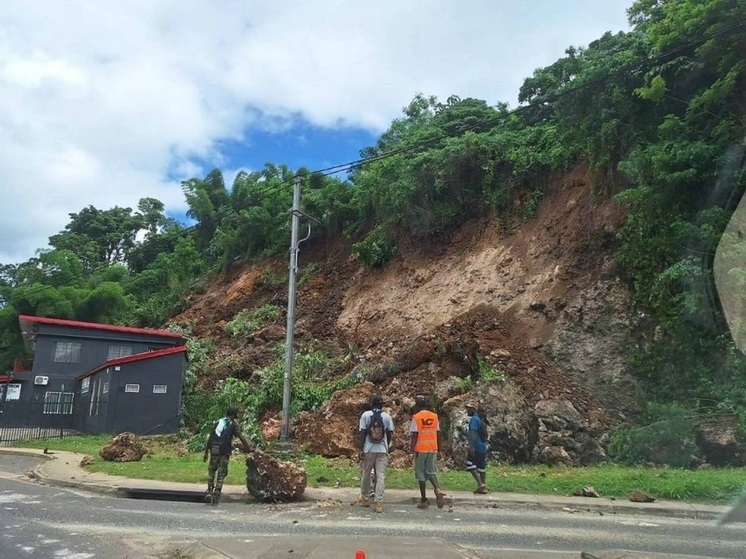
[439, 499]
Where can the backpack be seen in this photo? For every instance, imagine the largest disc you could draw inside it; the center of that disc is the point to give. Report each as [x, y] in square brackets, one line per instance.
[221, 444]
[482, 432]
[376, 428]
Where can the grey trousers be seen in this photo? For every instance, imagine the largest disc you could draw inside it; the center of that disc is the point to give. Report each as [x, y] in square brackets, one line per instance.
[379, 461]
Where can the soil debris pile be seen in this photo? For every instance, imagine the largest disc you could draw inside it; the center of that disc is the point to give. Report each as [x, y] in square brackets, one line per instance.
[271, 480]
[125, 447]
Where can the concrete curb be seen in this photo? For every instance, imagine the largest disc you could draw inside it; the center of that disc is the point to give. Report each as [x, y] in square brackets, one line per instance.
[116, 486]
[548, 502]
[25, 452]
[200, 551]
[625, 554]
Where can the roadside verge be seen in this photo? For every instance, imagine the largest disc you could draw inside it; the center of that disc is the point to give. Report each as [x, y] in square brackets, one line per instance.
[62, 469]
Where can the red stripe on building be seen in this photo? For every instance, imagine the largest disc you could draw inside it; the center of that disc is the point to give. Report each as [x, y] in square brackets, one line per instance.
[96, 326]
[133, 358]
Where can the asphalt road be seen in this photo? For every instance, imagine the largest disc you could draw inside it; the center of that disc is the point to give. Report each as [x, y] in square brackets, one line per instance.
[45, 522]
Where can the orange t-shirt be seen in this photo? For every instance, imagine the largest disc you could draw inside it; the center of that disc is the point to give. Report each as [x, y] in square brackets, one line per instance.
[425, 424]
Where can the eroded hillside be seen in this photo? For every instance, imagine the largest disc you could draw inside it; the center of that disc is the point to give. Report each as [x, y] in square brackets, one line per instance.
[524, 316]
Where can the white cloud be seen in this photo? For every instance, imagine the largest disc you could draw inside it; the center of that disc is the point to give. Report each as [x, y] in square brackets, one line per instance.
[100, 102]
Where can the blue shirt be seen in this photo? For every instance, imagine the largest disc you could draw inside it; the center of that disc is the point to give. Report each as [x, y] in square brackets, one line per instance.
[474, 423]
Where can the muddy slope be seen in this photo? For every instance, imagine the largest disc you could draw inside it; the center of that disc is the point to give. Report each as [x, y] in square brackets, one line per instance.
[526, 317]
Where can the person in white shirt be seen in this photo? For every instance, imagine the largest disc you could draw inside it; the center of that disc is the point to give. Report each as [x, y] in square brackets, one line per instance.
[375, 431]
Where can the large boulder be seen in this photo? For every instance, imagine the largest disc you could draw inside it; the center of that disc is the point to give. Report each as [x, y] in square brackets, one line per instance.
[720, 443]
[332, 431]
[271, 480]
[564, 436]
[123, 448]
[511, 426]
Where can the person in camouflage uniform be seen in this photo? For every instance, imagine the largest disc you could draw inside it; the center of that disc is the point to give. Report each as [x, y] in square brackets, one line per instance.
[219, 446]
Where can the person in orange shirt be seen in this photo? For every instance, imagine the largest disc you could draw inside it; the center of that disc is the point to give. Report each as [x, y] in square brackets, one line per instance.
[425, 444]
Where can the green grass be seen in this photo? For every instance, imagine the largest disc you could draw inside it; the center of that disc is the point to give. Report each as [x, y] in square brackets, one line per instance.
[165, 463]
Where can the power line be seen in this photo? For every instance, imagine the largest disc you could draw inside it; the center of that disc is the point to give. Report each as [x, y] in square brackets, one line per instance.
[632, 67]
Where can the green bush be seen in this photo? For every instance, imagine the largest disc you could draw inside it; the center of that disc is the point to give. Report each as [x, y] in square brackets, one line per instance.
[376, 249]
[204, 407]
[273, 279]
[315, 379]
[248, 320]
[488, 373]
[532, 203]
[666, 437]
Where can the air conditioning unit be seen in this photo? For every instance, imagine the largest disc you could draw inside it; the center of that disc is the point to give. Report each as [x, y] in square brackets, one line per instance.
[41, 381]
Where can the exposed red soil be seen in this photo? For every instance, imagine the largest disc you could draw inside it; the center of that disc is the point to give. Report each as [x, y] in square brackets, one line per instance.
[436, 309]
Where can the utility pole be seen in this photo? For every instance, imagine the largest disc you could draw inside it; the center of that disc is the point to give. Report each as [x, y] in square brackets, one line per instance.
[290, 332]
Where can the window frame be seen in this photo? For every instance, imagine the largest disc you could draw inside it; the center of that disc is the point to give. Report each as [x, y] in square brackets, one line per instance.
[71, 353]
[119, 347]
[63, 404]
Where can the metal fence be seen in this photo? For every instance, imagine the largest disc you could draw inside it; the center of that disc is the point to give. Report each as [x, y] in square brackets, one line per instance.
[10, 436]
[50, 418]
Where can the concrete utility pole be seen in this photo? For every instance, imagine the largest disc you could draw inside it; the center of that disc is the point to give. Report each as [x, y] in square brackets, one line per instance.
[290, 332]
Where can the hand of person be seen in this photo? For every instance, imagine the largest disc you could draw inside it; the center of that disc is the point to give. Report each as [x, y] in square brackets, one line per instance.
[204, 457]
[361, 455]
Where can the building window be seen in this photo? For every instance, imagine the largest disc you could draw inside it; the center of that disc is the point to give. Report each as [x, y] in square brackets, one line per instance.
[58, 403]
[95, 397]
[67, 352]
[160, 388]
[116, 351]
[134, 388]
[85, 385]
[106, 387]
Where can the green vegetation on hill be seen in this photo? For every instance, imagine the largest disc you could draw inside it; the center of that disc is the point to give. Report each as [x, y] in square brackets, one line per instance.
[657, 113]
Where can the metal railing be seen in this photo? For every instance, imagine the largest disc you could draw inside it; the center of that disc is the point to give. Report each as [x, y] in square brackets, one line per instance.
[14, 435]
[51, 418]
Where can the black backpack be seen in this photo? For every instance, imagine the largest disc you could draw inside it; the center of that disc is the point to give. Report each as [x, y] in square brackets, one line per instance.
[376, 428]
[483, 434]
[221, 444]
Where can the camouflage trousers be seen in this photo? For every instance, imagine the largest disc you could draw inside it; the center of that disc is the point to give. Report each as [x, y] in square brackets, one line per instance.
[219, 466]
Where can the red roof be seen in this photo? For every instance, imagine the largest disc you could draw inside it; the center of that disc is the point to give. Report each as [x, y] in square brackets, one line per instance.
[96, 326]
[132, 358]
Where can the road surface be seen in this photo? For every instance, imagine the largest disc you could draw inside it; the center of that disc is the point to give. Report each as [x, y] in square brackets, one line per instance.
[44, 522]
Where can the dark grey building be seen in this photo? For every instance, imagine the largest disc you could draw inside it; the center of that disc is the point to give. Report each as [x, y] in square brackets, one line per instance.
[95, 378]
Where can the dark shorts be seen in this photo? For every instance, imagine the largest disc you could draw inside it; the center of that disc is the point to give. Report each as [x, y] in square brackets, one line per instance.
[476, 461]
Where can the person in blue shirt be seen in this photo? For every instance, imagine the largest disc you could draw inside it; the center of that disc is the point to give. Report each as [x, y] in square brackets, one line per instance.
[476, 461]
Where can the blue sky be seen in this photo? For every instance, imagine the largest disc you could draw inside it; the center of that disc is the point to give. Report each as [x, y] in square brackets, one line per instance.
[303, 145]
[124, 100]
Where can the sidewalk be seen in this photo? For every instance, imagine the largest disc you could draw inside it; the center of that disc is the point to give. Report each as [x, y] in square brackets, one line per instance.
[62, 469]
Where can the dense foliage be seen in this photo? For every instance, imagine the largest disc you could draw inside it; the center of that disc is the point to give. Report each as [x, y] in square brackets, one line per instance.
[657, 113]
